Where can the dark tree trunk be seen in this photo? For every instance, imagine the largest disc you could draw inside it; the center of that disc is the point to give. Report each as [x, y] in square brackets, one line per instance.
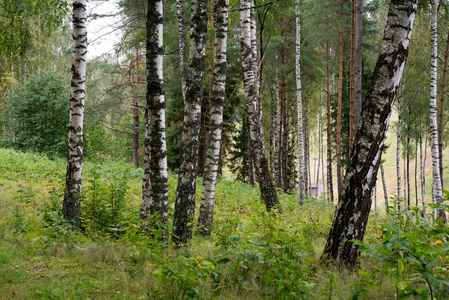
[354, 204]
[186, 190]
[441, 114]
[330, 188]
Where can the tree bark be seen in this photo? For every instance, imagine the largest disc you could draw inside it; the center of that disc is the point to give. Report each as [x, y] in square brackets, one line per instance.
[182, 46]
[301, 165]
[72, 194]
[354, 203]
[216, 120]
[340, 95]
[351, 79]
[433, 112]
[267, 189]
[358, 64]
[134, 83]
[384, 186]
[441, 114]
[155, 184]
[185, 193]
[330, 189]
[398, 150]
[277, 133]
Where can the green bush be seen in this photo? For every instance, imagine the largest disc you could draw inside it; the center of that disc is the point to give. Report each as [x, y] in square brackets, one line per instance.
[40, 112]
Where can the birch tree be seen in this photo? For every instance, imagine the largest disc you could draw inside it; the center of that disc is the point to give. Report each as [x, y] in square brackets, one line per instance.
[354, 204]
[267, 190]
[216, 119]
[188, 171]
[301, 166]
[433, 111]
[182, 46]
[155, 185]
[72, 194]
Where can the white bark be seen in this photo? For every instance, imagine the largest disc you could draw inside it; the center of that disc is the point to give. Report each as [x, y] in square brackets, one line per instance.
[182, 46]
[155, 184]
[301, 164]
[433, 111]
[72, 194]
[267, 190]
[215, 126]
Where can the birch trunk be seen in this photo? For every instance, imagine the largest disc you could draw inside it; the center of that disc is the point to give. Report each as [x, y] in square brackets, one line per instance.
[182, 46]
[134, 84]
[301, 166]
[330, 189]
[216, 119]
[277, 126]
[423, 165]
[307, 175]
[72, 194]
[267, 189]
[188, 171]
[433, 112]
[354, 203]
[416, 172]
[155, 186]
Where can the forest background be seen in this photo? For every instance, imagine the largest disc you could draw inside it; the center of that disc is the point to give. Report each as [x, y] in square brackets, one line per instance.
[36, 54]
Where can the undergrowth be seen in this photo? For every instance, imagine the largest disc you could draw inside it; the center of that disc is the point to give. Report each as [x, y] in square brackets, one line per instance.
[252, 254]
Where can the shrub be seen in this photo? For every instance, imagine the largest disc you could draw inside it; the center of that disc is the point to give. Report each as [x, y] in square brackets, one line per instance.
[40, 113]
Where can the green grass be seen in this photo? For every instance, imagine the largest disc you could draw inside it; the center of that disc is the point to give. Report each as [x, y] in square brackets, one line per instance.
[251, 255]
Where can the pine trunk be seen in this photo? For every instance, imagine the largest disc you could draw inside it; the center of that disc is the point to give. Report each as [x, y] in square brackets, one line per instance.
[267, 189]
[351, 79]
[433, 112]
[340, 95]
[72, 195]
[186, 190]
[358, 63]
[301, 165]
[398, 150]
[384, 186]
[216, 119]
[354, 203]
[155, 191]
[441, 114]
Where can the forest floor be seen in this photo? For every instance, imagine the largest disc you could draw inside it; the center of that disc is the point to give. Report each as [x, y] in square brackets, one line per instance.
[251, 254]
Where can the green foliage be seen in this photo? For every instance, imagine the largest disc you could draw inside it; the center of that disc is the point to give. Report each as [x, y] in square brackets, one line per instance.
[40, 111]
[414, 247]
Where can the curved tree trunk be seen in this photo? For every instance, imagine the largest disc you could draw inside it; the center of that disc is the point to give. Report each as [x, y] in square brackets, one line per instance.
[354, 204]
[188, 171]
[216, 119]
[155, 185]
[433, 112]
[301, 165]
[72, 195]
[267, 189]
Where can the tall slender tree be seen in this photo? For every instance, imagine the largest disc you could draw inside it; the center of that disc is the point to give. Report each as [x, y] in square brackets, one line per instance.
[354, 204]
[433, 111]
[155, 184]
[72, 195]
[216, 120]
[185, 193]
[266, 186]
[182, 46]
[358, 63]
[301, 165]
[441, 114]
[339, 103]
